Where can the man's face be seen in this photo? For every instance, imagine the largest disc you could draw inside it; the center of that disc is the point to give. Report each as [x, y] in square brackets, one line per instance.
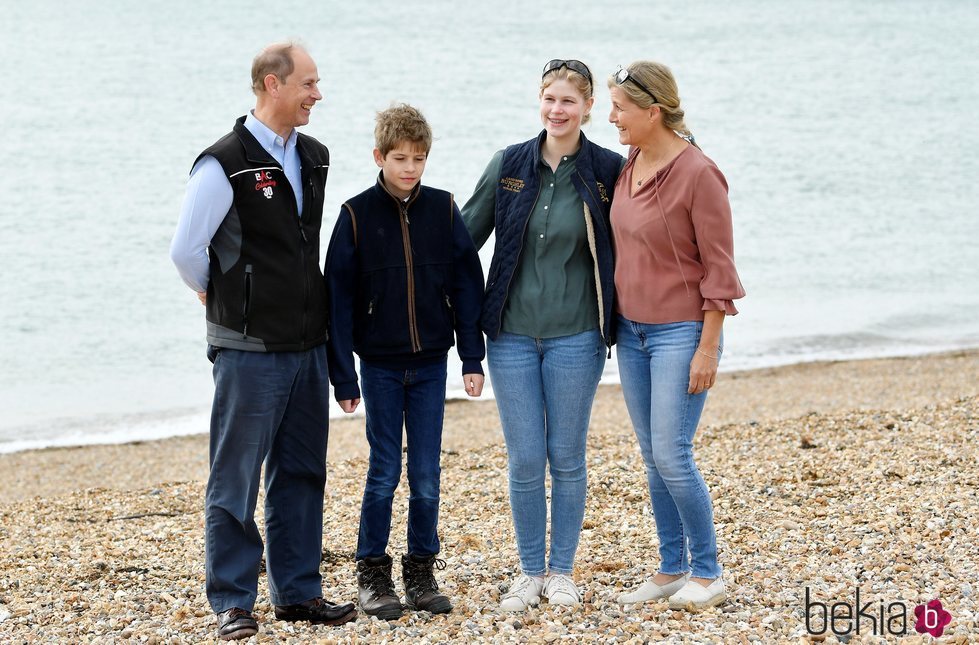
[298, 92]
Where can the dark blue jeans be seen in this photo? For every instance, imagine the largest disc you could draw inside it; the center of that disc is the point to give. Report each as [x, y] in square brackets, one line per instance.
[271, 408]
[415, 400]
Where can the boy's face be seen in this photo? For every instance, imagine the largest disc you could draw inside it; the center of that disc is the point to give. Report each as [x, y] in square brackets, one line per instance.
[402, 168]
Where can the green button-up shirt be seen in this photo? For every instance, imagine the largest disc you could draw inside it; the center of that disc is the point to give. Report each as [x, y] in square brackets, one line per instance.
[553, 289]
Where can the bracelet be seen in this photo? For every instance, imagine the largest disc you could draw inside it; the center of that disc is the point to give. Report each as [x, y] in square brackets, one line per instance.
[699, 351]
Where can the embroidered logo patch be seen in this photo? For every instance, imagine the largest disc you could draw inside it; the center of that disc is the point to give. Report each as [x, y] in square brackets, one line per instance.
[602, 192]
[512, 184]
[264, 183]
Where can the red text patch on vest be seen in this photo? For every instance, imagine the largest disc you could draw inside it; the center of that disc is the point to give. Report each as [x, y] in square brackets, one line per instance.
[265, 183]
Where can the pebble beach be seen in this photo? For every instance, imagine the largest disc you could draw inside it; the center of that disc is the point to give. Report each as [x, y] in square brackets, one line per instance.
[829, 480]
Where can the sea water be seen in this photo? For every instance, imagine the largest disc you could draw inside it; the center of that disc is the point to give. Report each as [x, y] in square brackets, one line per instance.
[846, 132]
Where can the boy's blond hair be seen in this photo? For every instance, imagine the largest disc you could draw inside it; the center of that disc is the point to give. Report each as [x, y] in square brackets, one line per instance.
[399, 124]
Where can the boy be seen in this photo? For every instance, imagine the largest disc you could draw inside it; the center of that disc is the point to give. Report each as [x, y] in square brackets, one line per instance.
[402, 275]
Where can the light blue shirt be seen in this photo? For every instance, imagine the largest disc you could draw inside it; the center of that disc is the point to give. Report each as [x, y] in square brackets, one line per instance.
[209, 197]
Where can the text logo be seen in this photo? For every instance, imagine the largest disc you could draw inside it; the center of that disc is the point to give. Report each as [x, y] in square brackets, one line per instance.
[842, 618]
[265, 183]
[512, 184]
[602, 192]
[931, 618]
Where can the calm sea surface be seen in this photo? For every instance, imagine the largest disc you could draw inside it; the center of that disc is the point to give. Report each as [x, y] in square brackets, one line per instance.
[846, 130]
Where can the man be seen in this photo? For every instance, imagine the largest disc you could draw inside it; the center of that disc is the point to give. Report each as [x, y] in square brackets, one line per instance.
[248, 243]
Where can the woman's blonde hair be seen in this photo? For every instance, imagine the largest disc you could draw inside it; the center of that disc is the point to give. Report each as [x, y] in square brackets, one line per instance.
[582, 84]
[658, 79]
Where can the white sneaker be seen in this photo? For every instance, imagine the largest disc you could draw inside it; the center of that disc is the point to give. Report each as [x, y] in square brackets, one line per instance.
[694, 596]
[524, 592]
[560, 589]
[652, 591]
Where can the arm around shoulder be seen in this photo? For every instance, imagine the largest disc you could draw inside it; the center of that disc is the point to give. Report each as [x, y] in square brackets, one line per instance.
[479, 212]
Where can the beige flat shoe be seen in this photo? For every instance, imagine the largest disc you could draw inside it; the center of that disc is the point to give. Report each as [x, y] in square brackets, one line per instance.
[695, 596]
[652, 591]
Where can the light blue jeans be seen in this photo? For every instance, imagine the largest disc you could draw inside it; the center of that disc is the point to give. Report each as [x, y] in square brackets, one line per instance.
[654, 367]
[544, 390]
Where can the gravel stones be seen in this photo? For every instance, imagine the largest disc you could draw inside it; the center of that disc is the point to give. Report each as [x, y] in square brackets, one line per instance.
[881, 500]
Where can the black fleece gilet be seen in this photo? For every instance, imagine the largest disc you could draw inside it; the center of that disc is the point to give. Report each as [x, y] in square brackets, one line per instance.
[266, 291]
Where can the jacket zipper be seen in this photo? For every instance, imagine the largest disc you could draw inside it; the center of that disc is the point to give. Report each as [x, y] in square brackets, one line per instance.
[523, 237]
[247, 300]
[416, 345]
[302, 257]
[448, 303]
[302, 260]
[305, 272]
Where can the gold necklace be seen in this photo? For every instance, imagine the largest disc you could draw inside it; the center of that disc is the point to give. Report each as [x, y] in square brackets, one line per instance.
[655, 166]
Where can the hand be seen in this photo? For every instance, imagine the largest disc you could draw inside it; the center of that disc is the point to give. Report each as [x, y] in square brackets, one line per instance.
[473, 383]
[703, 371]
[349, 405]
[202, 296]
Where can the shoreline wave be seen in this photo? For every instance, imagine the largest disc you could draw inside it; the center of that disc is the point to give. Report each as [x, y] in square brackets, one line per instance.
[129, 428]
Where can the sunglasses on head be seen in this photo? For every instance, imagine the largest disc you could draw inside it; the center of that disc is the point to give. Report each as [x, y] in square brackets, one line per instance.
[573, 65]
[622, 75]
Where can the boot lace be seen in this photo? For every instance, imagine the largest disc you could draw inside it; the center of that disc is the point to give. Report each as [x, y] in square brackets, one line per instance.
[377, 579]
[421, 575]
[235, 613]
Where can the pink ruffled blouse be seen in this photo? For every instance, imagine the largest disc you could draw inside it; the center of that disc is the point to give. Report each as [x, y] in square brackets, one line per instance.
[674, 242]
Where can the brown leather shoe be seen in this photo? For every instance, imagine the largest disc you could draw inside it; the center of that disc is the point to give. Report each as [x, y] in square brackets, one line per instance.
[235, 624]
[317, 611]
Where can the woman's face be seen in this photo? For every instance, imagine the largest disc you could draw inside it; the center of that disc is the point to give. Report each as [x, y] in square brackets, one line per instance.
[562, 107]
[633, 122]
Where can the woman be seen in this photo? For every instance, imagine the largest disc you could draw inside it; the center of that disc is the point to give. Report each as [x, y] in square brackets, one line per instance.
[547, 315]
[675, 281]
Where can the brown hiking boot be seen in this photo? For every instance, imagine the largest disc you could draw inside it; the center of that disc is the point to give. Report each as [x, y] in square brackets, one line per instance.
[375, 588]
[421, 590]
